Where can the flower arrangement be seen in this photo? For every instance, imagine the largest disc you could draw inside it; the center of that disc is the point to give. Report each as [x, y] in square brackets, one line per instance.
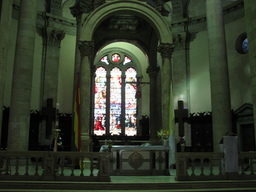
[164, 134]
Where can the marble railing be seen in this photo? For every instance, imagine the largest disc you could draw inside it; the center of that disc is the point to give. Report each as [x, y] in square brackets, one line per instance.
[55, 166]
[211, 166]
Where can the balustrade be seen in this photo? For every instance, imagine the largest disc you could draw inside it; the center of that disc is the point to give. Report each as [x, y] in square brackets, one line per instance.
[58, 166]
[211, 166]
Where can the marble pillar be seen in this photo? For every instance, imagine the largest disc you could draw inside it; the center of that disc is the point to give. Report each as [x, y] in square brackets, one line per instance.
[219, 77]
[19, 119]
[5, 25]
[86, 50]
[250, 10]
[166, 51]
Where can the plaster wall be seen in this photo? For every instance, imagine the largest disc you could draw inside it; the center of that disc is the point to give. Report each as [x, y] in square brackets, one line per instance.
[66, 74]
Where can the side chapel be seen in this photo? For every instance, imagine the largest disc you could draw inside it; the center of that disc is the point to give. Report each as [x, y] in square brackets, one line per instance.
[103, 70]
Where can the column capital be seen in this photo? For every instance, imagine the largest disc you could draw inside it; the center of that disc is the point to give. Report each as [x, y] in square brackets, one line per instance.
[153, 71]
[53, 36]
[86, 48]
[166, 49]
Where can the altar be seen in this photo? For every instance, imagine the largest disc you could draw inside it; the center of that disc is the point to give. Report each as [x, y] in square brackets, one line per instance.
[138, 159]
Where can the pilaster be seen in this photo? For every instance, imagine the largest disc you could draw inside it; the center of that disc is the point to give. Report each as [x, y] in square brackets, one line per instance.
[50, 73]
[180, 69]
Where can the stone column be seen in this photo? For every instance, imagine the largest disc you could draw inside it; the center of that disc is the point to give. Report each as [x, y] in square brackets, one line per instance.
[5, 18]
[219, 77]
[50, 73]
[250, 10]
[19, 119]
[86, 49]
[166, 51]
[77, 12]
[153, 123]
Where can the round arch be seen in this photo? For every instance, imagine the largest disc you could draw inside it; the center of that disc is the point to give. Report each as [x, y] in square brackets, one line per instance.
[138, 8]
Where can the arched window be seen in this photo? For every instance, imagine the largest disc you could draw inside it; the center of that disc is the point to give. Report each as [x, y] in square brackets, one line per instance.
[115, 103]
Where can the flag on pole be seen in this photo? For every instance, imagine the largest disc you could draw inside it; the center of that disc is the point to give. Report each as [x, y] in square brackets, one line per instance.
[77, 128]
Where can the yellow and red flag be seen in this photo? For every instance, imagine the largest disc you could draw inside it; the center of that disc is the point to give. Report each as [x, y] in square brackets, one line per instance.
[77, 128]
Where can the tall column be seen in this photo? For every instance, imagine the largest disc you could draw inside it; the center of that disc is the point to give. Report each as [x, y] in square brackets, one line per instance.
[80, 11]
[166, 51]
[86, 49]
[219, 78]
[5, 23]
[52, 39]
[250, 10]
[77, 11]
[18, 132]
[153, 123]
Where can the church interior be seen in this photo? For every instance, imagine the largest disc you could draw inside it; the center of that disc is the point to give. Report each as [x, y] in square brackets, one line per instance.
[125, 73]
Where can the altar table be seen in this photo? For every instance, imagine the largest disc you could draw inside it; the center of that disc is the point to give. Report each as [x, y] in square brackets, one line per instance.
[138, 159]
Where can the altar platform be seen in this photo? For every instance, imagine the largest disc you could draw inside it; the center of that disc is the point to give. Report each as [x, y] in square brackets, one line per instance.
[138, 159]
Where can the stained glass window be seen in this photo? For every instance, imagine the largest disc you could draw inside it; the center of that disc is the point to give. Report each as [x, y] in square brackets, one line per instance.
[115, 103]
[130, 102]
[245, 45]
[126, 60]
[116, 57]
[100, 101]
[105, 60]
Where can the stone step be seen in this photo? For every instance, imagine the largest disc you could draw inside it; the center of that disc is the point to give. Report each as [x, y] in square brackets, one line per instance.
[108, 186]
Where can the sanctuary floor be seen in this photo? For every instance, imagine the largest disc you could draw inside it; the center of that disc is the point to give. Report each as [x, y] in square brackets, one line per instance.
[131, 183]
